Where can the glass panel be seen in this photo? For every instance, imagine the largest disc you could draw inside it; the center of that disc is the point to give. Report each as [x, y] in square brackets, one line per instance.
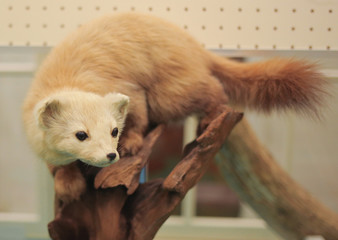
[167, 152]
[214, 197]
[18, 179]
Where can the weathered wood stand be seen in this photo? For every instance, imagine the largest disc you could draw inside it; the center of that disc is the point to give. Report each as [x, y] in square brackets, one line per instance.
[289, 209]
[118, 208]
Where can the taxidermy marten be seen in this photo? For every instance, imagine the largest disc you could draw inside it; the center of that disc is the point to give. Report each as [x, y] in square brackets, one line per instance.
[128, 70]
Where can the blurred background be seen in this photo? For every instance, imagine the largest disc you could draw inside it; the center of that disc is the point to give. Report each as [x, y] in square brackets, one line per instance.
[247, 30]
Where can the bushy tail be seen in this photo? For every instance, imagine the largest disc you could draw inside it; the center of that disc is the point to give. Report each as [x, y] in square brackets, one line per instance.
[274, 84]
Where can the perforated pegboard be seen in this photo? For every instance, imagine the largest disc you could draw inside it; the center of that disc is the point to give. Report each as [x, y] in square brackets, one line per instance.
[217, 24]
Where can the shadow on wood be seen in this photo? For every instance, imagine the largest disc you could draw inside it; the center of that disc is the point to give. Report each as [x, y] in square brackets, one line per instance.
[119, 208]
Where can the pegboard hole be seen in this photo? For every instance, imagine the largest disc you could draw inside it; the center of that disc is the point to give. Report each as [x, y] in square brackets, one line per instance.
[132, 9]
[97, 8]
[220, 46]
[328, 48]
[310, 47]
[43, 27]
[292, 47]
[256, 46]
[274, 47]
[238, 46]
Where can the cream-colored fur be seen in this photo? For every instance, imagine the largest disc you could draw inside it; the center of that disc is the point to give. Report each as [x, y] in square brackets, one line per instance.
[165, 73]
[52, 126]
[60, 116]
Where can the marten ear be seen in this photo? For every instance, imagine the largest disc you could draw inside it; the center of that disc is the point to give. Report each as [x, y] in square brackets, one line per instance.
[47, 111]
[119, 102]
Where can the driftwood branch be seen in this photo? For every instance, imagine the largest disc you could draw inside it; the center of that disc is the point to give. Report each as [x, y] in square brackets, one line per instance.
[132, 211]
[253, 173]
[119, 208]
[127, 171]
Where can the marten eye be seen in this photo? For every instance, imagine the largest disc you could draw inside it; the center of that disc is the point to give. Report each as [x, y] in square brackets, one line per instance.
[81, 135]
[115, 132]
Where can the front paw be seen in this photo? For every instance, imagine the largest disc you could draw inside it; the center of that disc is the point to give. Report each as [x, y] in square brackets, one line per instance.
[130, 144]
[69, 184]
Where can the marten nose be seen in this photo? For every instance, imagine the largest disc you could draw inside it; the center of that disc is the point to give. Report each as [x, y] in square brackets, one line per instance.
[111, 156]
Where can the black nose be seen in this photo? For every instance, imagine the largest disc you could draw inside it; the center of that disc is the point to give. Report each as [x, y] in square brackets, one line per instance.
[111, 156]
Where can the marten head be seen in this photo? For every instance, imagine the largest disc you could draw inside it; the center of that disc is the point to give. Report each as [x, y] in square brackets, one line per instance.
[81, 126]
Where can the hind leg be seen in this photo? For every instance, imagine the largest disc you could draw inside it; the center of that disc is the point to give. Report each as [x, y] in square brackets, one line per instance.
[214, 102]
